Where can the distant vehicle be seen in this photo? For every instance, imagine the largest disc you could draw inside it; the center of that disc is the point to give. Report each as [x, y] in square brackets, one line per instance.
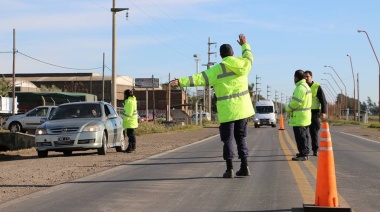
[205, 116]
[144, 118]
[81, 126]
[265, 114]
[29, 120]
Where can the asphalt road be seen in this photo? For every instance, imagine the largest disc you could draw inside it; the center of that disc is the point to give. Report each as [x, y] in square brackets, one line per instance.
[189, 179]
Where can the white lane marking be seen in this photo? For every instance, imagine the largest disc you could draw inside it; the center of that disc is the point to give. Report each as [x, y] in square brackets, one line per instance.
[373, 141]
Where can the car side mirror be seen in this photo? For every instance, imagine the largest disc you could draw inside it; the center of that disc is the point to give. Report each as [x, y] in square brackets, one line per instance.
[42, 120]
[112, 116]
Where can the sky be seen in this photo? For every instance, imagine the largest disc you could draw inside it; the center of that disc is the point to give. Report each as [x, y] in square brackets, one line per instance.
[160, 38]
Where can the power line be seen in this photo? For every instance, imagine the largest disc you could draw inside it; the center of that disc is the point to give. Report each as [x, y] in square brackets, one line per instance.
[119, 75]
[82, 69]
[166, 29]
[183, 28]
[148, 33]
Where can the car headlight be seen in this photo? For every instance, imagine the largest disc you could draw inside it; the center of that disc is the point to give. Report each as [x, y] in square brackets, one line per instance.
[91, 128]
[41, 132]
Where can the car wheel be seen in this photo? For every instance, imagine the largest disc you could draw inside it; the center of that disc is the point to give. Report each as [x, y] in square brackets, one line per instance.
[15, 127]
[273, 125]
[67, 153]
[42, 154]
[103, 149]
[123, 145]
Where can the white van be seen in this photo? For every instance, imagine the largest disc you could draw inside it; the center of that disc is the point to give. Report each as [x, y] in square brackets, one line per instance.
[265, 114]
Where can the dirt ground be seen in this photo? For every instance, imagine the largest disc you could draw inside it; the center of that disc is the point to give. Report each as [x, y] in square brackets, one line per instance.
[22, 172]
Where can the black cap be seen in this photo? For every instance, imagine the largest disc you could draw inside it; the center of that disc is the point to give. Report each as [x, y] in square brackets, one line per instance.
[226, 50]
[128, 93]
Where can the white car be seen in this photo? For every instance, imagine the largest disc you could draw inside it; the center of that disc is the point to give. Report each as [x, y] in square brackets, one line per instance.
[81, 126]
[29, 120]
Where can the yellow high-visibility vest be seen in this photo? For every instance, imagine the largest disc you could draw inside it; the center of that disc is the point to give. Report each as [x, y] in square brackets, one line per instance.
[315, 104]
[230, 82]
[130, 116]
[299, 107]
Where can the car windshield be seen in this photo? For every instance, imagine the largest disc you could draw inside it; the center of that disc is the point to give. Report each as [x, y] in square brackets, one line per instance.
[264, 109]
[76, 111]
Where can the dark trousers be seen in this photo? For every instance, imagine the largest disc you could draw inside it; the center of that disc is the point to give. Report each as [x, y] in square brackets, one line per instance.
[301, 135]
[131, 135]
[314, 128]
[230, 130]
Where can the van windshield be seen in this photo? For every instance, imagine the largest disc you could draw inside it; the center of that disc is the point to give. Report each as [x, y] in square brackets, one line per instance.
[264, 109]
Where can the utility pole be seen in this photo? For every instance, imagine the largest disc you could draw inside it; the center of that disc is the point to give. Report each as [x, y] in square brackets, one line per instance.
[353, 76]
[104, 57]
[197, 59]
[114, 73]
[207, 89]
[268, 92]
[154, 101]
[357, 84]
[275, 99]
[14, 73]
[281, 103]
[257, 88]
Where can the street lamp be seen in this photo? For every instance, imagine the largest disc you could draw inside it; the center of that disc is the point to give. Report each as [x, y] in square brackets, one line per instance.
[334, 81]
[341, 93]
[353, 76]
[345, 88]
[332, 95]
[197, 59]
[330, 85]
[359, 31]
[113, 82]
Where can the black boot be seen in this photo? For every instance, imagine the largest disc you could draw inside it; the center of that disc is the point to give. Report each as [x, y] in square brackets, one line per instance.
[134, 146]
[129, 149]
[244, 170]
[230, 170]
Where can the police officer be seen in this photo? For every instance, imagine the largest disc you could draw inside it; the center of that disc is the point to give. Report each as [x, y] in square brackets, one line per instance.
[318, 109]
[300, 115]
[230, 82]
[130, 119]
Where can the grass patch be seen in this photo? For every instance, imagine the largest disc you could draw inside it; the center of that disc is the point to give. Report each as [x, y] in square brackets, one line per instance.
[374, 125]
[342, 122]
[151, 127]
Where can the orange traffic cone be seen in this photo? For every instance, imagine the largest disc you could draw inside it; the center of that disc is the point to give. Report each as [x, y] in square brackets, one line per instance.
[281, 123]
[326, 194]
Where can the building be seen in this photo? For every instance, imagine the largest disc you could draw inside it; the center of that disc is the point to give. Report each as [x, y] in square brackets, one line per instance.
[100, 86]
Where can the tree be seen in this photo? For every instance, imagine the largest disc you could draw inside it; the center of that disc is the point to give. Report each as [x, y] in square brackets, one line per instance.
[371, 106]
[5, 86]
[251, 87]
[52, 88]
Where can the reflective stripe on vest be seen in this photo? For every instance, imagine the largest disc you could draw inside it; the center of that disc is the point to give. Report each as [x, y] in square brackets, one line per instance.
[204, 76]
[250, 60]
[227, 74]
[133, 114]
[232, 96]
[307, 89]
[224, 72]
[302, 109]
